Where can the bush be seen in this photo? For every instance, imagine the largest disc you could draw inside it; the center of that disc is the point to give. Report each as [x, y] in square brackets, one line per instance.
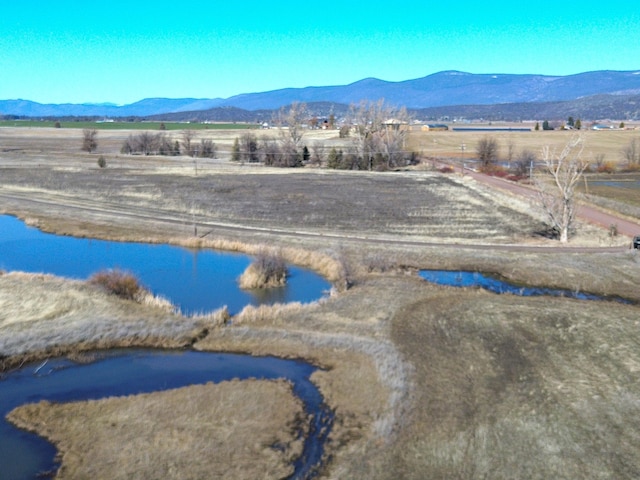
[267, 270]
[606, 167]
[102, 162]
[117, 282]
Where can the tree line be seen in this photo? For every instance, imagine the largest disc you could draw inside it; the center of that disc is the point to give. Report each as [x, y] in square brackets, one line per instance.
[377, 135]
[148, 143]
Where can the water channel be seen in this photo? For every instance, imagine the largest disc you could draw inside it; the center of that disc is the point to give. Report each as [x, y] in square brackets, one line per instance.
[194, 281]
[461, 278]
[121, 372]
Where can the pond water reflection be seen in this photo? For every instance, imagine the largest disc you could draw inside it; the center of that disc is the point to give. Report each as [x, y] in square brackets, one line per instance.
[194, 280]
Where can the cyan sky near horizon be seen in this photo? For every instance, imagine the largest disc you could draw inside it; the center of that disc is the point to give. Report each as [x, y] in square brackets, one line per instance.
[67, 51]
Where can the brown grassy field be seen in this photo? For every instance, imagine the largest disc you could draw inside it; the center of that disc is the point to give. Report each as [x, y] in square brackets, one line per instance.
[103, 439]
[607, 144]
[426, 381]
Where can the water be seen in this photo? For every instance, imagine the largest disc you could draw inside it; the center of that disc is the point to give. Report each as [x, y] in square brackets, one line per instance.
[193, 280]
[115, 373]
[496, 285]
[634, 185]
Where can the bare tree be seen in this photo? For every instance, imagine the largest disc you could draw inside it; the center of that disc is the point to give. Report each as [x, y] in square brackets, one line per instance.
[208, 149]
[524, 162]
[565, 169]
[317, 153]
[188, 146]
[393, 137]
[292, 125]
[487, 151]
[632, 152]
[367, 119]
[270, 151]
[249, 148]
[89, 142]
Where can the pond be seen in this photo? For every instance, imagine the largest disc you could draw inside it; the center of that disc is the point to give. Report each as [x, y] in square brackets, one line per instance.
[460, 278]
[193, 280]
[196, 281]
[23, 455]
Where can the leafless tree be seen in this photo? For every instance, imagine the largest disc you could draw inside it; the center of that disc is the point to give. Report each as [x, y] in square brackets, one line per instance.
[524, 162]
[378, 133]
[291, 123]
[317, 153]
[487, 151]
[565, 170]
[208, 149]
[270, 152]
[249, 148]
[393, 136]
[632, 152]
[147, 143]
[188, 146]
[89, 141]
[367, 119]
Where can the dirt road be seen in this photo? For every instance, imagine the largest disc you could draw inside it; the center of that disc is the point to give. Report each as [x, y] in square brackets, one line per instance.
[588, 213]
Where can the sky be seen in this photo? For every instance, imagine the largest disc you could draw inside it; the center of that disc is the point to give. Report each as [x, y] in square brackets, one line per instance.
[120, 52]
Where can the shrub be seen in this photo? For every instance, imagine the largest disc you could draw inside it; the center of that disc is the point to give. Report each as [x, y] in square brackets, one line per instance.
[117, 282]
[102, 162]
[267, 270]
[606, 167]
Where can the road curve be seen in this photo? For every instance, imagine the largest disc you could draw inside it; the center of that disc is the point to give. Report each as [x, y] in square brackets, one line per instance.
[588, 213]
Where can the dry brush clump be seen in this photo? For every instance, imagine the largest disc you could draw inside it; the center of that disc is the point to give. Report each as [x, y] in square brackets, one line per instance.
[268, 270]
[117, 282]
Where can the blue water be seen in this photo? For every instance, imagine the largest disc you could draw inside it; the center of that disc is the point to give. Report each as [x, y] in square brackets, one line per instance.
[616, 184]
[475, 279]
[193, 280]
[115, 373]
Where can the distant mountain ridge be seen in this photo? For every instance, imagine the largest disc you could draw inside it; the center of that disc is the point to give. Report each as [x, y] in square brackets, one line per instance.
[448, 88]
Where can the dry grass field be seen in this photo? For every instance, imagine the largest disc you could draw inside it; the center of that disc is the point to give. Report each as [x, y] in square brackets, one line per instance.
[425, 381]
[168, 427]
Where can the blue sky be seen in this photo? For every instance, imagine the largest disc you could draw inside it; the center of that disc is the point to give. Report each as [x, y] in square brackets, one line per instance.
[81, 51]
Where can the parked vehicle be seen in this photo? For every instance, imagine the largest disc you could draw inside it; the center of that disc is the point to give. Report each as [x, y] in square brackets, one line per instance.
[636, 242]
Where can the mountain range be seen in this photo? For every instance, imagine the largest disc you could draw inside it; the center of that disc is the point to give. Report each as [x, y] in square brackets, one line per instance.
[442, 93]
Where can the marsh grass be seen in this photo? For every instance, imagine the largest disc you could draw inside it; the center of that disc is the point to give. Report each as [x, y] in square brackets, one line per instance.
[194, 432]
[267, 270]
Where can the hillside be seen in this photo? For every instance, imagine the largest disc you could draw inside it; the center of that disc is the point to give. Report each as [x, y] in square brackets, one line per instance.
[441, 89]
